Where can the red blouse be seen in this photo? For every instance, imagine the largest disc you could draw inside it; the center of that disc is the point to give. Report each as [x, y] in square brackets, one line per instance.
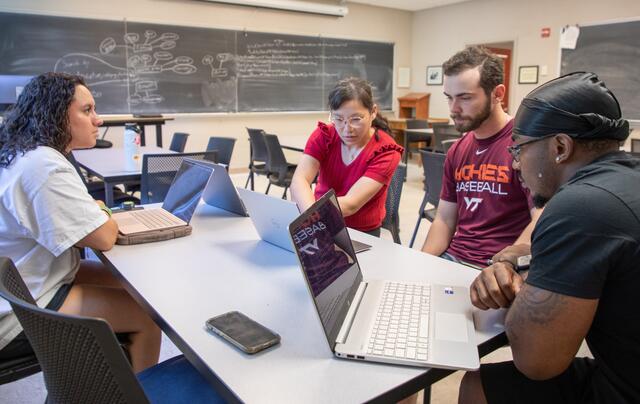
[378, 161]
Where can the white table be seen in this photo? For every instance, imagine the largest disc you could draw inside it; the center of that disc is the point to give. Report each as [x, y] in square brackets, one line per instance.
[224, 266]
[109, 166]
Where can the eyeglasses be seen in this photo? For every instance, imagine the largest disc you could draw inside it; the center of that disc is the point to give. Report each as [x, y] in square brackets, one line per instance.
[515, 149]
[354, 121]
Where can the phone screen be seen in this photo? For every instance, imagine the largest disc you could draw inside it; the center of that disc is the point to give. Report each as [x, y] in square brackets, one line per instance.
[242, 331]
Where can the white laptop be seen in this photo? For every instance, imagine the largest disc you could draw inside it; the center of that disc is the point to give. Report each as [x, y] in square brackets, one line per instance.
[221, 192]
[271, 217]
[181, 201]
[381, 321]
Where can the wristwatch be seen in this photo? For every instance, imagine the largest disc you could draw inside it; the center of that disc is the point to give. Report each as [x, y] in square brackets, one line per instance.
[522, 263]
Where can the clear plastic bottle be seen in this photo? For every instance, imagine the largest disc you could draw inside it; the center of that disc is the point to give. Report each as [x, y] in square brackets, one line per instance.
[131, 147]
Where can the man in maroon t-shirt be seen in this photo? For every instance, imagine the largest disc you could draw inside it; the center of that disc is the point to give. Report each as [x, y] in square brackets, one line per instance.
[483, 207]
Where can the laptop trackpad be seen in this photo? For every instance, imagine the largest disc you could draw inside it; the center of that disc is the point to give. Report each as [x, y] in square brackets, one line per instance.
[451, 327]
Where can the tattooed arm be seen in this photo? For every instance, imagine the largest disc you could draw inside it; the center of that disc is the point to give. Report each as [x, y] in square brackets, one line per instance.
[545, 330]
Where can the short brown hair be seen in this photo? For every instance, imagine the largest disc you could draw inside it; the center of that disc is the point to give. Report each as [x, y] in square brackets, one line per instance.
[491, 66]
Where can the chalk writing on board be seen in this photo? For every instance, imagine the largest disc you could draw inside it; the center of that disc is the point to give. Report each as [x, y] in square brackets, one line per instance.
[282, 59]
[145, 60]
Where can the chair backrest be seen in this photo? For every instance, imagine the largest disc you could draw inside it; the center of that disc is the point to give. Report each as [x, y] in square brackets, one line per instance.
[446, 144]
[443, 132]
[258, 147]
[394, 191]
[224, 147]
[158, 171]
[178, 142]
[72, 160]
[80, 357]
[276, 160]
[635, 145]
[433, 166]
[417, 124]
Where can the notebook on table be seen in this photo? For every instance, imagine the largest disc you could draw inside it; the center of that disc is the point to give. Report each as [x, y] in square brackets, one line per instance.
[405, 323]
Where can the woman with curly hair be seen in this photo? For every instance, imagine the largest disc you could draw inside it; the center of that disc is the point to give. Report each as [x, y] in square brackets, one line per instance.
[46, 213]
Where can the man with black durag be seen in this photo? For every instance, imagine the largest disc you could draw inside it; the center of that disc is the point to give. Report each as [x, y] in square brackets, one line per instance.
[584, 278]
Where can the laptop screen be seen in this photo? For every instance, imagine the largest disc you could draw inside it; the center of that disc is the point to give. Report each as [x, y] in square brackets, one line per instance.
[186, 189]
[328, 261]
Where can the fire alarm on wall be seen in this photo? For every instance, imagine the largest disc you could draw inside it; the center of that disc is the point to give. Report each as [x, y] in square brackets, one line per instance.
[545, 32]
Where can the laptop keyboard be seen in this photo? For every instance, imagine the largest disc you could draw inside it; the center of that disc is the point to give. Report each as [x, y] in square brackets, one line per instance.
[156, 218]
[401, 329]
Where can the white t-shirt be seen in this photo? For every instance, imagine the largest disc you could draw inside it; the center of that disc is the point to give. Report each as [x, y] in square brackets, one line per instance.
[45, 210]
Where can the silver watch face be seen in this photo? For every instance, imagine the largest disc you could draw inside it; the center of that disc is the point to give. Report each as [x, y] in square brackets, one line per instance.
[524, 260]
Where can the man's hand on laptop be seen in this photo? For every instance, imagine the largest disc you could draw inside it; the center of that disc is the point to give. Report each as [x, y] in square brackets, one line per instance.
[496, 286]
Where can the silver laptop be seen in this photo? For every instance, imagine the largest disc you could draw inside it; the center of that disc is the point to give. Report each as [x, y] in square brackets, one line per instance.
[272, 216]
[221, 192]
[381, 321]
[181, 201]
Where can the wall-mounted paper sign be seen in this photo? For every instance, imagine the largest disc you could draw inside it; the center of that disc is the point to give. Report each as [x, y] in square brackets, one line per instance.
[569, 37]
[404, 77]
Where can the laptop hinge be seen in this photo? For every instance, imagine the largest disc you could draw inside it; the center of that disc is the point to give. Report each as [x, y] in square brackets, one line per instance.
[351, 314]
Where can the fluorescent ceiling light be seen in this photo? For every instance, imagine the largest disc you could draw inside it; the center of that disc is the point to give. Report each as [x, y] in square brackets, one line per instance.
[290, 5]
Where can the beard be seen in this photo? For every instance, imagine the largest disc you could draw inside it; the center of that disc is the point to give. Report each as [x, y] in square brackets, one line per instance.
[539, 201]
[472, 122]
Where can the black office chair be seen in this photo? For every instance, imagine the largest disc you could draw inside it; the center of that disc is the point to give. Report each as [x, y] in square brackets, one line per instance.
[280, 171]
[413, 137]
[441, 133]
[178, 142]
[257, 155]
[224, 147]
[433, 166]
[635, 145]
[158, 171]
[391, 220]
[96, 187]
[80, 356]
[18, 367]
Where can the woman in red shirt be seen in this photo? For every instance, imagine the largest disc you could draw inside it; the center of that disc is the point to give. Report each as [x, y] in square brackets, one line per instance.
[354, 155]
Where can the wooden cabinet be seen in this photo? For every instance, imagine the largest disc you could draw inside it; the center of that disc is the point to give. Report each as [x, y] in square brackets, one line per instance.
[414, 106]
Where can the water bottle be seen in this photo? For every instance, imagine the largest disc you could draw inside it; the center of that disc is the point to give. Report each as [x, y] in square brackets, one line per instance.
[131, 147]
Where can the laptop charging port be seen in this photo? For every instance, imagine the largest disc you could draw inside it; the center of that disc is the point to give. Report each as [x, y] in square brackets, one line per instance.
[350, 356]
[360, 357]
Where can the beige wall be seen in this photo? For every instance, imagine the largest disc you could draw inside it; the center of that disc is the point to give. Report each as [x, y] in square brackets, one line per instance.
[362, 22]
[438, 33]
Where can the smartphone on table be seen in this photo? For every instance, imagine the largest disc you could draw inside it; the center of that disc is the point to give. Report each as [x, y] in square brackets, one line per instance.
[243, 332]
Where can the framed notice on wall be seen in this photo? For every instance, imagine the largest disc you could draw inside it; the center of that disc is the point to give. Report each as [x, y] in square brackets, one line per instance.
[528, 75]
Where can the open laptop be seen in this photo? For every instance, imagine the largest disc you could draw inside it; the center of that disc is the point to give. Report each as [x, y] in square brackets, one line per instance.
[381, 321]
[272, 216]
[221, 192]
[181, 201]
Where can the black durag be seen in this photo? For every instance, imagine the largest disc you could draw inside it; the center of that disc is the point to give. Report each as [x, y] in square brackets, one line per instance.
[577, 104]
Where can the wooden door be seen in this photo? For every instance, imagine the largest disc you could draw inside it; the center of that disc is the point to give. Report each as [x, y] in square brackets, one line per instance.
[505, 55]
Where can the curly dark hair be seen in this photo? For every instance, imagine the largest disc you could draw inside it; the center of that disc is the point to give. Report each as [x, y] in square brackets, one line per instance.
[491, 66]
[39, 117]
[354, 88]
